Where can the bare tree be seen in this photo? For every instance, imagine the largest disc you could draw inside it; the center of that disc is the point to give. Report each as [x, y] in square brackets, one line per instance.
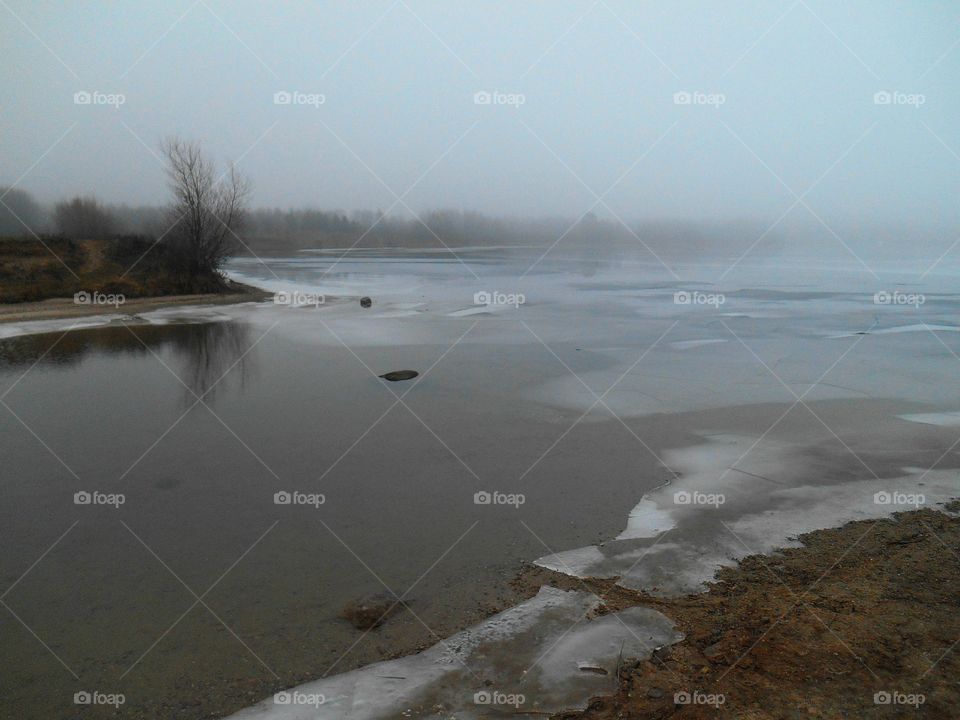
[207, 211]
[84, 218]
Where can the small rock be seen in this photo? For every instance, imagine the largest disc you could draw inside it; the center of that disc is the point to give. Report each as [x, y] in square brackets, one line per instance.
[713, 651]
[365, 302]
[655, 693]
[400, 375]
[370, 612]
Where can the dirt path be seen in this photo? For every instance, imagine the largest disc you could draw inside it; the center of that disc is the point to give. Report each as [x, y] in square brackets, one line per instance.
[56, 308]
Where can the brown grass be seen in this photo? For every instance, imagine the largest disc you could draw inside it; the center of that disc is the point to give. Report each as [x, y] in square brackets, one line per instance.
[55, 267]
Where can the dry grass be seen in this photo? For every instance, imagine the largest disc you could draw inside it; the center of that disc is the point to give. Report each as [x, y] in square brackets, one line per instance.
[55, 267]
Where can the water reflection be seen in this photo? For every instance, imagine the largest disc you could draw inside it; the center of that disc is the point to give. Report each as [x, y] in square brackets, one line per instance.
[202, 353]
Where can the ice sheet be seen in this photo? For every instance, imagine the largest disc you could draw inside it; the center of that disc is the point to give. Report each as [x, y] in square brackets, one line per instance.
[946, 419]
[164, 316]
[736, 496]
[544, 655]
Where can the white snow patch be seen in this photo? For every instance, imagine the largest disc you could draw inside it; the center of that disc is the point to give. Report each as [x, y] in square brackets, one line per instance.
[946, 419]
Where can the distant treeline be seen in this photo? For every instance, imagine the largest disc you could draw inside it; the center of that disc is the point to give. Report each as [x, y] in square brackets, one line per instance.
[275, 230]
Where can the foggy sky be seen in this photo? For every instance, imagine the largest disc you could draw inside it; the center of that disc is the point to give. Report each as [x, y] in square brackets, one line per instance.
[597, 82]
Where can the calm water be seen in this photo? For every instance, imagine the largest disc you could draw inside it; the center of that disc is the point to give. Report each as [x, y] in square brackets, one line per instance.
[200, 594]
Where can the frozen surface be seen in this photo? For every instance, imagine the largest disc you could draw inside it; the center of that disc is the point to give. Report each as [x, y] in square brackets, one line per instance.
[616, 331]
[736, 496]
[544, 655]
[164, 316]
[947, 419]
[34, 327]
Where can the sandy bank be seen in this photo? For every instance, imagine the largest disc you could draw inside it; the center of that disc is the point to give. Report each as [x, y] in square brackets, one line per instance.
[59, 308]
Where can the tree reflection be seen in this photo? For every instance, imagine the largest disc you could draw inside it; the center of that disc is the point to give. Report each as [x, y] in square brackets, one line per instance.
[205, 356]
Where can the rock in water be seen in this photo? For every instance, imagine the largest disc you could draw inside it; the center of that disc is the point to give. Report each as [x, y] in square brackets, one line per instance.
[400, 375]
[365, 302]
[372, 611]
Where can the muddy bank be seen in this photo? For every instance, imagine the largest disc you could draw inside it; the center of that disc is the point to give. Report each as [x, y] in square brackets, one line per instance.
[860, 621]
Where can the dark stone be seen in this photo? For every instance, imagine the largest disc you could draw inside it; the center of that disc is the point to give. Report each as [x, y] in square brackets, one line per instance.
[400, 375]
[365, 302]
[370, 612]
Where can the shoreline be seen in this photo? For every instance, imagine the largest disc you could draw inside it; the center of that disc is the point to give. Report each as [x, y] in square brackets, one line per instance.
[857, 620]
[62, 308]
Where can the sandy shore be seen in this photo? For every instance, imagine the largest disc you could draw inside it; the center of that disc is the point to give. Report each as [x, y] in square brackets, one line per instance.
[59, 308]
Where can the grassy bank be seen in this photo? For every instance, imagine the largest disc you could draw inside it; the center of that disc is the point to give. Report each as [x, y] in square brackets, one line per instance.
[32, 270]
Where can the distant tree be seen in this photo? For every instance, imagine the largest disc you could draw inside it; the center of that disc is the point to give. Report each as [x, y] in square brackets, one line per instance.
[83, 218]
[19, 213]
[207, 210]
